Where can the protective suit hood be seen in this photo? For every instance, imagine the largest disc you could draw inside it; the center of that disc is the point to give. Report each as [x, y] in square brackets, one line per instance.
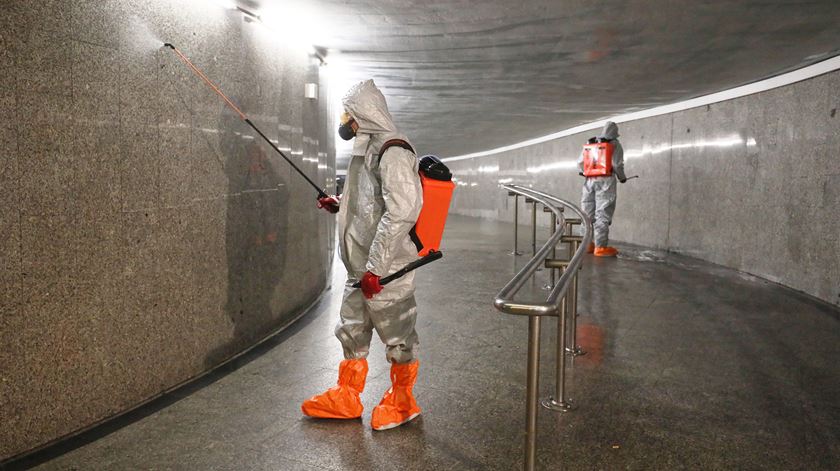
[610, 131]
[367, 106]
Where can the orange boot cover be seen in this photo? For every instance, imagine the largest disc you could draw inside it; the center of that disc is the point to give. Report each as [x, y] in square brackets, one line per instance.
[398, 405]
[590, 248]
[342, 400]
[605, 252]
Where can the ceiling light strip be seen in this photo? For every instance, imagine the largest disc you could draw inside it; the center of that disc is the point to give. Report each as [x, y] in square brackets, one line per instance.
[798, 75]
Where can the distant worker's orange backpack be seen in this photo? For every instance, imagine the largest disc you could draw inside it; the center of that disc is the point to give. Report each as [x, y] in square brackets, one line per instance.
[437, 194]
[597, 159]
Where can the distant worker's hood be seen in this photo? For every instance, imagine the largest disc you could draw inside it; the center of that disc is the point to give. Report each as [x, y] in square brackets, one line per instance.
[610, 131]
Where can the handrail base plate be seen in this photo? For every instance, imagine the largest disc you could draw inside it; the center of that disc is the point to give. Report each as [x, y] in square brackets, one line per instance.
[576, 352]
[562, 406]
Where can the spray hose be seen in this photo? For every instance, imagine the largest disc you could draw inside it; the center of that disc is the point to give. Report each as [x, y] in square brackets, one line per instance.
[202, 76]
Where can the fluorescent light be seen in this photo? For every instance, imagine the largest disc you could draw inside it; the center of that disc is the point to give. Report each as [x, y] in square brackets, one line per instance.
[296, 24]
[730, 141]
[227, 4]
[564, 164]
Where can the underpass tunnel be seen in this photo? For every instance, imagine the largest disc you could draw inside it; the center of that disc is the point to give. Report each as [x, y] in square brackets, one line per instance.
[172, 286]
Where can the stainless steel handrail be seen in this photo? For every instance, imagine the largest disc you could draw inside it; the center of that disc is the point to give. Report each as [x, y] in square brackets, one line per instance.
[516, 251]
[534, 310]
[504, 300]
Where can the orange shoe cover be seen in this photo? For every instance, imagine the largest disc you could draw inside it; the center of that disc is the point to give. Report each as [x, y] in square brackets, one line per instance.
[590, 248]
[398, 405]
[605, 251]
[342, 400]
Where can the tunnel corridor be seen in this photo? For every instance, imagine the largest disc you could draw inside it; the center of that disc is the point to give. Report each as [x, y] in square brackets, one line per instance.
[185, 185]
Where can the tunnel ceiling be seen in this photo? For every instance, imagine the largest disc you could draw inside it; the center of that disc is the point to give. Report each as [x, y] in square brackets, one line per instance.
[463, 76]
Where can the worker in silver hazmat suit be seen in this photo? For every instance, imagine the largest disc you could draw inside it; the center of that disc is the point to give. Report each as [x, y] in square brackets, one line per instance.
[381, 202]
[601, 161]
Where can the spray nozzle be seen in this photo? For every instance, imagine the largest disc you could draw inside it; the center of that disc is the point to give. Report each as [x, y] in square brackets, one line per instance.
[169, 45]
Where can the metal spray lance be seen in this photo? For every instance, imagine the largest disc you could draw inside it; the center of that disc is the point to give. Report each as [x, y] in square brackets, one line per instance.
[200, 74]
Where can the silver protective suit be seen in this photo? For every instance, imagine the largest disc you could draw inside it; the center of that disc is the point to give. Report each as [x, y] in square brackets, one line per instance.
[599, 193]
[380, 204]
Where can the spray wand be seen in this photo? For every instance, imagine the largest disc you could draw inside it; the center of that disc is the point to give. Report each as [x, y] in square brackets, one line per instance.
[200, 74]
[426, 259]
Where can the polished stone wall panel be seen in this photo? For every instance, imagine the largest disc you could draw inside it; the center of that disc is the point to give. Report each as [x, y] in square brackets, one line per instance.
[643, 203]
[750, 183]
[147, 233]
[9, 197]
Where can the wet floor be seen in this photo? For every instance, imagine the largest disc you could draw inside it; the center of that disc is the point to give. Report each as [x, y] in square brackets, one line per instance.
[689, 366]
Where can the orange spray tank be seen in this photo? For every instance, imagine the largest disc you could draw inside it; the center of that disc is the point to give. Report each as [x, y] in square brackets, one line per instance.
[437, 194]
[438, 187]
[597, 159]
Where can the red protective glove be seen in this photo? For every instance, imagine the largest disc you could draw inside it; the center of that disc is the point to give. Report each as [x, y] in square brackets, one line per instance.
[330, 204]
[370, 285]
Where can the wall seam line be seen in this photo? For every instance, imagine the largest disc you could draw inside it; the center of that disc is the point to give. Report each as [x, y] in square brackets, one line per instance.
[670, 184]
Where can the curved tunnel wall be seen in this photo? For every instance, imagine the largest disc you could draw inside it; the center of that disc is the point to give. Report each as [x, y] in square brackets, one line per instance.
[147, 234]
[751, 183]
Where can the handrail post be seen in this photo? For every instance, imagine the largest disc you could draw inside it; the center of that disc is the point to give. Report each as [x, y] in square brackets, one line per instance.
[532, 390]
[534, 228]
[553, 249]
[552, 280]
[516, 251]
[574, 349]
[558, 401]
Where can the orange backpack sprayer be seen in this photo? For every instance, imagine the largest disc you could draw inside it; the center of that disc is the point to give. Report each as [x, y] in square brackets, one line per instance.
[427, 232]
[437, 194]
[438, 186]
[597, 159]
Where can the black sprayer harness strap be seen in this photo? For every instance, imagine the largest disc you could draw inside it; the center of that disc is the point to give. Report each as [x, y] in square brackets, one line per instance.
[395, 143]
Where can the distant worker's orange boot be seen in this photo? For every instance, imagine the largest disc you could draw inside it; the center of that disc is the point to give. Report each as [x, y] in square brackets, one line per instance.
[605, 252]
[342, 400]
[398, 405]
[590, 248]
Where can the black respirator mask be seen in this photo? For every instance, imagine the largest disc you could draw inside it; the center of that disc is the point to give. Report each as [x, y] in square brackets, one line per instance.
[347, 128]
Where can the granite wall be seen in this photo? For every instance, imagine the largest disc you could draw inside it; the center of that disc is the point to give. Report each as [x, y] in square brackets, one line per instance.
[751, 183]
[146, 235]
